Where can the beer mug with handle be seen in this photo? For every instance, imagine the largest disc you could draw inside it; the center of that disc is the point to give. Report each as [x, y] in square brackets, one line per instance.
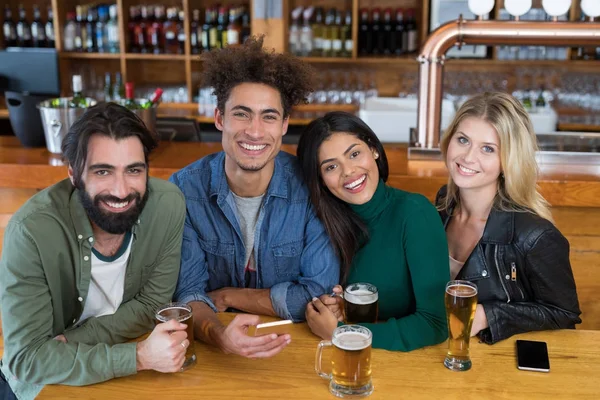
[361, 303]
[350, 363]
[461, 301]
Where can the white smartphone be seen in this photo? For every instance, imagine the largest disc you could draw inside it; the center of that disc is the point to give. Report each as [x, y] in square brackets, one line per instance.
[277, 327]
[532, 356]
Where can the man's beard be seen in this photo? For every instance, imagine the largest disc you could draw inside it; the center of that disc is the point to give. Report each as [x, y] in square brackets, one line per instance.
[115, 223]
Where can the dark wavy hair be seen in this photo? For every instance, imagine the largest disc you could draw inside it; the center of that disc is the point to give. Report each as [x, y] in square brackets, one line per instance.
[108, 119]
[346, 230]
[226, 68]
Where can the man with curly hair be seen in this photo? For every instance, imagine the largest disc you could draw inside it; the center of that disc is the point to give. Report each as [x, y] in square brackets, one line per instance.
[252, 241]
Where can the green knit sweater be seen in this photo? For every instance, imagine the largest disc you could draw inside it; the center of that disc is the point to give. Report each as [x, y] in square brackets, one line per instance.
[406, 258]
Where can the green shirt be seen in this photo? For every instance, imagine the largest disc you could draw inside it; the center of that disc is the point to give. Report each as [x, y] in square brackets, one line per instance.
[45, 274]
[406, 258]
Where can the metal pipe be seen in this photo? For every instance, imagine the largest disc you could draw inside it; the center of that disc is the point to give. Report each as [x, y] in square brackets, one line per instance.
[490, 33]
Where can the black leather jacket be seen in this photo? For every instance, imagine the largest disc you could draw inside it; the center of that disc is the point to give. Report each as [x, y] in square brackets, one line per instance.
[523, 275]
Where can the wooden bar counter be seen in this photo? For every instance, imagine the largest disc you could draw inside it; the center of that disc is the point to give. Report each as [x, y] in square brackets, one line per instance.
[562, 185]
[420, 374]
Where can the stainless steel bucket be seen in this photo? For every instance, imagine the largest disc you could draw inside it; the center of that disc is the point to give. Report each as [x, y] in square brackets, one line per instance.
[147, 115]
[57, 120]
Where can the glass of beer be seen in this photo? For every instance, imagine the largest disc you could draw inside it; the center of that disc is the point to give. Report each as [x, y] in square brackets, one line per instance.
[361, 303]
[182, 313]
[351, 361]
[461, 301]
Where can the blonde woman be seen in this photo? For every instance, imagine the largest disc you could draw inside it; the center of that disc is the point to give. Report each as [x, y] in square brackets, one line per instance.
[499, 227]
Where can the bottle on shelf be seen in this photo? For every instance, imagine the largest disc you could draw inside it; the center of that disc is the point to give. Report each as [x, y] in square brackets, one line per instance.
[38, 32]
[306, 33]
[294, 35]
[153, 101]
[397, 34]
[49, 29]
[411, 31]
[328, 32]
[78, 100]
[80, 32]
[9, 28]
[130, 97]
[346, 35]
[365, 35]
[118, 92]
[196, 33]
[206, 44]
[385, 33]
[155, 31]
[112, 30]
[70, 32]
[90, 27]
[181, 38]
[23, 29]
[132, 29]
[245, 26]
[107, 87]
[234, 29]
[336, 39]
[317, 33]
[376, 32]
[171, 32]
[101, 37]
[140, 30]
[222, 28]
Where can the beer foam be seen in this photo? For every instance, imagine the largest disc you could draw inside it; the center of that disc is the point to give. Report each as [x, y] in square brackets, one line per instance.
[361, 296]
[179, 313]
[460, 290]
[352, 341]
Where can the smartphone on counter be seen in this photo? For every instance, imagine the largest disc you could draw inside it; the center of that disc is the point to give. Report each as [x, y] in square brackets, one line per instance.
[277, 327]
[532, 356]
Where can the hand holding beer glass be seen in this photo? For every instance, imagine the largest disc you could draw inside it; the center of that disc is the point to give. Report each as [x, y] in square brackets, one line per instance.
[351, 361]
[361, 303]
[182, 313]
[461, 301]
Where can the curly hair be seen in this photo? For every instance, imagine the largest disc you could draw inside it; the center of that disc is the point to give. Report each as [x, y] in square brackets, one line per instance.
[226, 68]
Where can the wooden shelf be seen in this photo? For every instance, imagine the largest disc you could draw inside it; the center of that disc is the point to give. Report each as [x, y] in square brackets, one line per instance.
[89, 56]
[408, 59]
[163, 57]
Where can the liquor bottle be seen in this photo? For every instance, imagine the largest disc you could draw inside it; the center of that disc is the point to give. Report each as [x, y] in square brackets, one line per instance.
[118, 88]
[130, 97]
[112, 30]
[170, 30]
[70, 32]
[222, 28]
[336, 40]
[317, 33]
[294, 37]
[365, 36]
[132, 29]
[23, 29]
[346, 35]
[411, 29]
[196, 33]
[181, 38]
[38, 32]
[234, 29]
[245, 26]
[140, 30]
[306, 33]
[78, 100]
[49, 29]
[90, 27]
[328, 30]
[80, 32]
[9, 28]
[206, 42]
[376, 31]
[101, 38]
[397, 34]
[107, 87]
[153, 101]
[540, 102]
[385, 33]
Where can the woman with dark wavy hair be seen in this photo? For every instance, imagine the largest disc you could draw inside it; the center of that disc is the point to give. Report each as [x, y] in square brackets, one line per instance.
[384, 236]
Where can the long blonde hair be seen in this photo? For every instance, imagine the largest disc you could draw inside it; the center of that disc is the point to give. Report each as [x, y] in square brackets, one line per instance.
[517, 188]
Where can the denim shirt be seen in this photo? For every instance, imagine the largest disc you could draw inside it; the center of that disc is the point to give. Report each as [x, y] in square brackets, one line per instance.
[293, 254]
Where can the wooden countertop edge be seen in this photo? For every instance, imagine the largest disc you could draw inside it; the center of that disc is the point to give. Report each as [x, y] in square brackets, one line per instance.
[563, 193]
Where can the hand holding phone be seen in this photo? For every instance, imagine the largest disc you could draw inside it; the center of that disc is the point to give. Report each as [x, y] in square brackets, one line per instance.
[277, 327]
[532, 356]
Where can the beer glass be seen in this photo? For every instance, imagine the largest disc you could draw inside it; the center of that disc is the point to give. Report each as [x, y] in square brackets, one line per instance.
[182, 313]
[351, 361]
[361, 303]
[461, 301]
